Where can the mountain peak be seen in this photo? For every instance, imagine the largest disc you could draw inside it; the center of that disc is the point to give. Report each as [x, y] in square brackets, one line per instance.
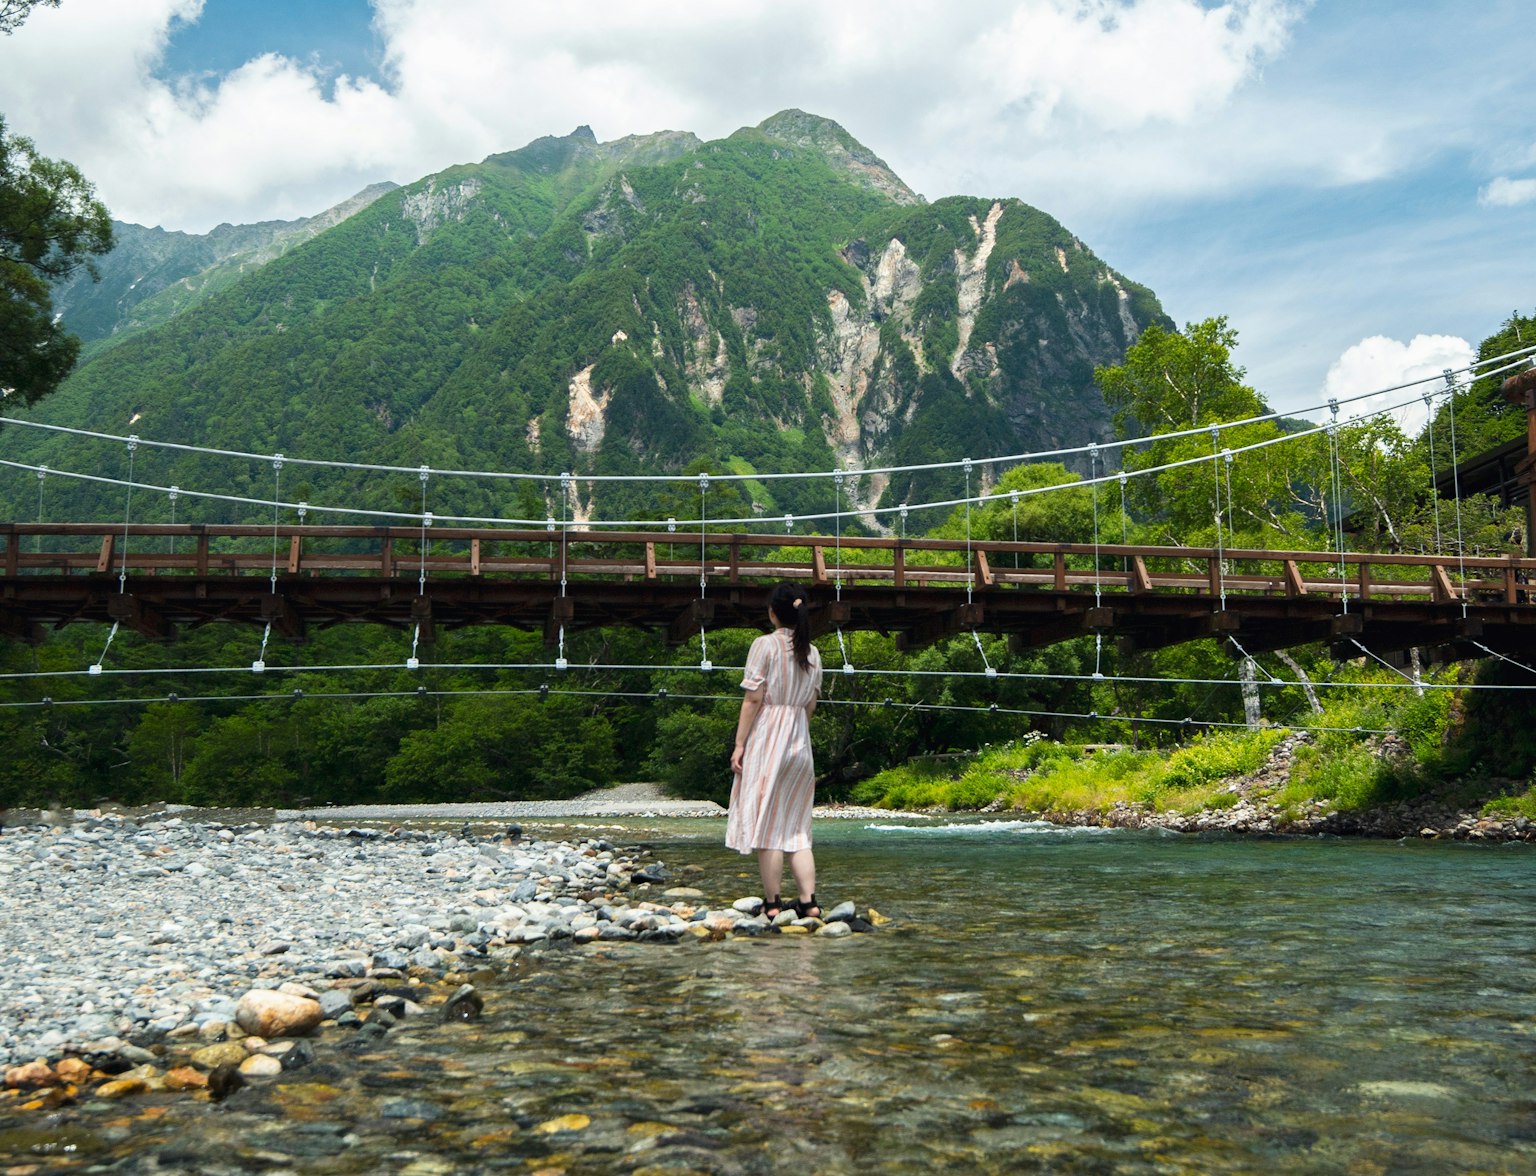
[829, 139]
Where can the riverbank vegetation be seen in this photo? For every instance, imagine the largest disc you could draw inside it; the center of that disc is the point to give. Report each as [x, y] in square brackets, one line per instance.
[1376, 741]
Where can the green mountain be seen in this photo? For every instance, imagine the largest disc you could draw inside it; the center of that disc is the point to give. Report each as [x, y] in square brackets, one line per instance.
[774, 300]
[153, 275]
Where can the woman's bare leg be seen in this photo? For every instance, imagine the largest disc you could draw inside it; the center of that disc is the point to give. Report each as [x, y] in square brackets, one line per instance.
[802, 864]
[770, 864]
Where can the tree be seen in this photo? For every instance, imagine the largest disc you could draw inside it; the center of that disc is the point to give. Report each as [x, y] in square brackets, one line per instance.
[50, 225]
[1171, 382]
[13, 12]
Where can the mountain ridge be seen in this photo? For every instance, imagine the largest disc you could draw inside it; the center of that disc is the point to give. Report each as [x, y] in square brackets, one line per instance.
[776, 300]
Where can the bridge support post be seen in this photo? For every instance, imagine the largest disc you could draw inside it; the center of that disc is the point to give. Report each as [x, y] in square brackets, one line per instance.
[421, 613]
[940, 625]
[276, 609]
[696, 616]
[129, 610]
[562, 611]
[834, 614]
[19, 628]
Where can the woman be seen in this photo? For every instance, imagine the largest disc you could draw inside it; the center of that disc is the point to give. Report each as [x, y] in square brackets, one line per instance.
[775, 778]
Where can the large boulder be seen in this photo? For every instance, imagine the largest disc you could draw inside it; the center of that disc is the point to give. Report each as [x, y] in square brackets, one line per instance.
[277, 1014]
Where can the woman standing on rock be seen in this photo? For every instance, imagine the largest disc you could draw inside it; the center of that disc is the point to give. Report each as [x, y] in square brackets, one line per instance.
[775, 778]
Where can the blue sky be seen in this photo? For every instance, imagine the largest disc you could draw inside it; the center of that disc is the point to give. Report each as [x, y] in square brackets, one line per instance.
[1352, 183]
[334, 36]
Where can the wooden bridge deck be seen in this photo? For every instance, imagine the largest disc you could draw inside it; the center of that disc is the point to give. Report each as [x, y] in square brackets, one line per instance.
[157, 578]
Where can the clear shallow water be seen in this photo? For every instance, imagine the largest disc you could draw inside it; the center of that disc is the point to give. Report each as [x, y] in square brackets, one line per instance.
[1064, 1001]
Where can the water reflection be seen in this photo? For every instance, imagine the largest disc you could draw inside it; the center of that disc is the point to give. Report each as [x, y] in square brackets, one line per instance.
[1045, 1001]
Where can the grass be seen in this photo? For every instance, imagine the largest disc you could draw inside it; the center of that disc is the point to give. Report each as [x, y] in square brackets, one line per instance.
[1372, 746]
[1041, 776]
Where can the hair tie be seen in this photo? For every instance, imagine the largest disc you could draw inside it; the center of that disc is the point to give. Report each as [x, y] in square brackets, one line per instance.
[797, 602]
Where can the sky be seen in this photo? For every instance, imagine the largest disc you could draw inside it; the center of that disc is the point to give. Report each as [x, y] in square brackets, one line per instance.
[1351, 182]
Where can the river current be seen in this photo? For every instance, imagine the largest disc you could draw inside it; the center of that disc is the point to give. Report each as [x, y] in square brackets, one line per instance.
[1044, 1000]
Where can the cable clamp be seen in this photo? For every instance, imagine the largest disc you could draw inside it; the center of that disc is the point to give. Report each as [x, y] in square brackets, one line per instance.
[277, 461]
[703, 483]
[789, 523]
[671, 523]
[42, 472]
[549, 523]
[561, 664]
[133, 442]
[424, 472]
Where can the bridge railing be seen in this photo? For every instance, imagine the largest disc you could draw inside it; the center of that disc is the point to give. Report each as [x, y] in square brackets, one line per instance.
[159, 549]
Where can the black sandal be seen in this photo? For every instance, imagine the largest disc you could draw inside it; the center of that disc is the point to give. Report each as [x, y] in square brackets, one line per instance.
[803, 909]
[772, 907]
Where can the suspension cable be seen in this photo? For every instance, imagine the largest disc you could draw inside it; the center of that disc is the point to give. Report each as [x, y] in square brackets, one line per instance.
[1515, 356]
[122, 573]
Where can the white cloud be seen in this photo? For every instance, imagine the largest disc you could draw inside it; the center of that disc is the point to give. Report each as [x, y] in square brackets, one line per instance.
[933, 87]
[1378, 362]
[1504, 192]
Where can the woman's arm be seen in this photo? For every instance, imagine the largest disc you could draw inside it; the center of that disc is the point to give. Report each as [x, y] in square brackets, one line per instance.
[751, 705]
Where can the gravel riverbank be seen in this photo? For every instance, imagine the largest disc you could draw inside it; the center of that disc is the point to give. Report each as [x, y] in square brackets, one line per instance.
[127, 938]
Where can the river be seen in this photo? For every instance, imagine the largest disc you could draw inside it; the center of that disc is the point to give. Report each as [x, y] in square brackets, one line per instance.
[1044, 1000]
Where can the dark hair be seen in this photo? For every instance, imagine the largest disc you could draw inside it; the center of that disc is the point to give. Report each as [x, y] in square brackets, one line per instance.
[791, 604]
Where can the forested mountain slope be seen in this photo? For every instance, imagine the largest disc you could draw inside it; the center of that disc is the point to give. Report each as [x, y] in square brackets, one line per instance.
[776, 300]
[152, 275]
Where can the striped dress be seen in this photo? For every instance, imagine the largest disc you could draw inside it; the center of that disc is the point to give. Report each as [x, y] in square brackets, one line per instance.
[771, 799]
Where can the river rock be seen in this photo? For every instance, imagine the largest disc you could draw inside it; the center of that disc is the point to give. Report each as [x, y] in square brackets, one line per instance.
[225, 1053]
[32, 1076]
[261, 1066]
[333, 1002]
[224, 1080]
[73, 1070]
[464, 1005]
[122, 1088]
[277, 1014]
[185, 1078]
[834, 930]
[841, 913]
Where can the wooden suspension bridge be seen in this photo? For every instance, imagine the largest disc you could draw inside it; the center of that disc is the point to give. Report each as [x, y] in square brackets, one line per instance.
[159, 579]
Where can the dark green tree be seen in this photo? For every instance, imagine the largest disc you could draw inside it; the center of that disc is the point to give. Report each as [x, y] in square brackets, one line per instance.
[13, 12]
[50, 225]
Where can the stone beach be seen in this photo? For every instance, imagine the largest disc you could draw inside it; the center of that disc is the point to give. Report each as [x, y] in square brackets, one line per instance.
[146, 946]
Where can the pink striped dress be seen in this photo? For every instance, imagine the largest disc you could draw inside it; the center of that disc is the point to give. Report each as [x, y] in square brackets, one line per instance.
[771, 799]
